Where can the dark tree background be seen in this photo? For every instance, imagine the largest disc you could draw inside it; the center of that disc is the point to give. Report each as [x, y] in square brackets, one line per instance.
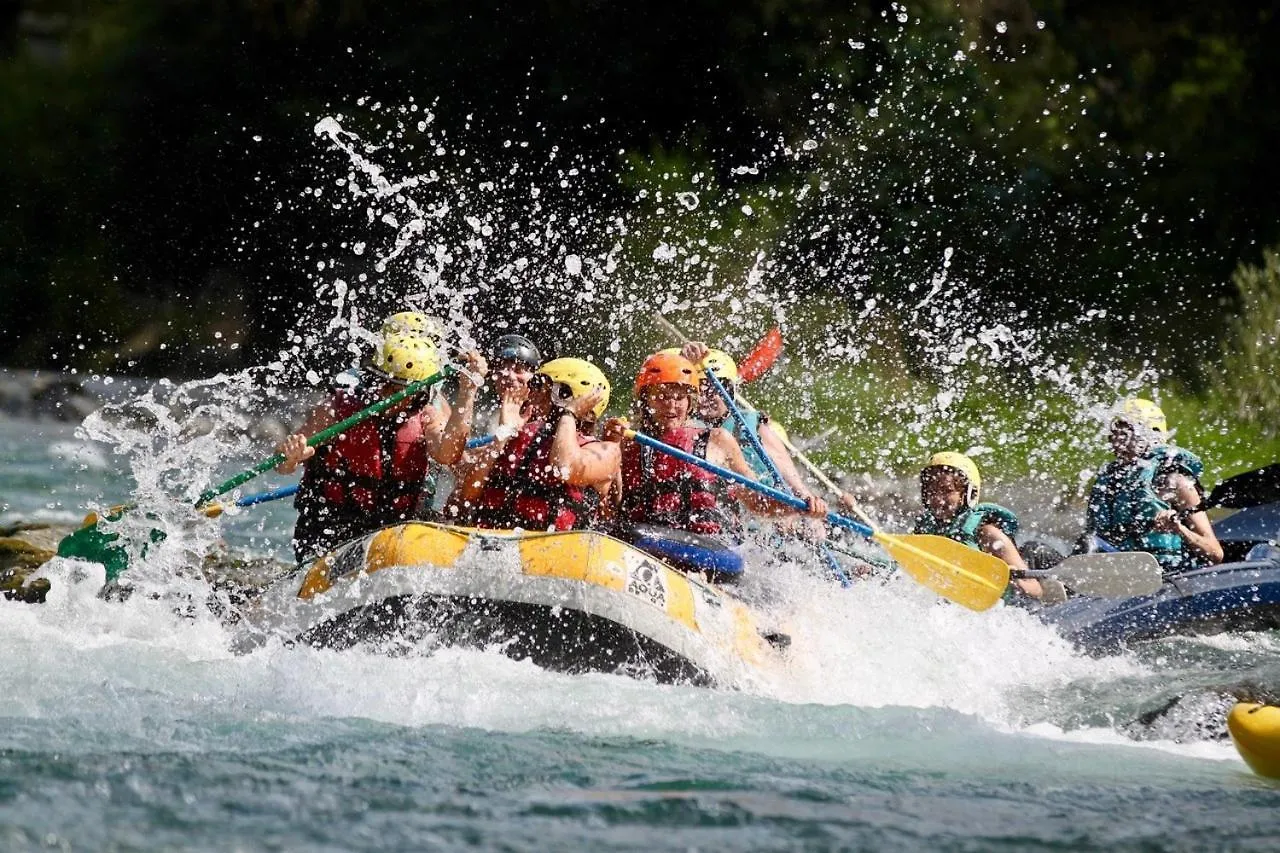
[131, 177]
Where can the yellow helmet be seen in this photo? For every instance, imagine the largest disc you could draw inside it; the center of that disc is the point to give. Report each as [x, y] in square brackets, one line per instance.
[579, 377]
[1142, 413]
[962, 464]
[412, 323]
[722, 365]
[407, 358]
[718, 362]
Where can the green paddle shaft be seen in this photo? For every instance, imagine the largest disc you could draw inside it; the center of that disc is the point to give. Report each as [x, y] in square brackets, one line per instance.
[325, 434]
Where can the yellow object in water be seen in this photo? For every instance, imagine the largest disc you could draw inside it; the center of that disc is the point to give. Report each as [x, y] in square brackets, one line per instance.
[1255, 730]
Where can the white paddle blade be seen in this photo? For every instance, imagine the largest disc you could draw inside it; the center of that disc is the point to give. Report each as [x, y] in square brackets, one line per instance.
[1122, 574]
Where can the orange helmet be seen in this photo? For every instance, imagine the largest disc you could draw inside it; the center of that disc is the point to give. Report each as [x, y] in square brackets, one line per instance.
[664, 368]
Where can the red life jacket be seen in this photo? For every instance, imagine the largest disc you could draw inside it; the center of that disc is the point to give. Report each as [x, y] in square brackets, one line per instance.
[523, 491]
[374, 474]
[661, 489]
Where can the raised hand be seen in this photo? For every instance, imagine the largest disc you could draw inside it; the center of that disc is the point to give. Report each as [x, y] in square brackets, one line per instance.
[615, 429]
[295, 452]
[695, 351]
[584, 406]
[473, 372]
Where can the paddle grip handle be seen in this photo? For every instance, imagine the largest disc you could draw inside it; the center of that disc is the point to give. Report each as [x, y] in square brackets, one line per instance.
[264, 497]
[326, 434]
[733, 476]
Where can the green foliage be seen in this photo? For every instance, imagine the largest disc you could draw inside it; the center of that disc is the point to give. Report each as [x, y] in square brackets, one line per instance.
[1248, 380]
[1099, 154]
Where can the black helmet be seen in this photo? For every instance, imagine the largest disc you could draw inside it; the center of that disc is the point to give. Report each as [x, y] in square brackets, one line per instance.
[517, 348]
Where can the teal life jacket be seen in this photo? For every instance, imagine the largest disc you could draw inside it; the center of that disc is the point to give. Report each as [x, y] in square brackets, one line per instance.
[963, 526]
[1123, 504]
[750, 421]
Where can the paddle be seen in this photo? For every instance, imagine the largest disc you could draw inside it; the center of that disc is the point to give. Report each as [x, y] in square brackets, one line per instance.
[752, 438]
[1252, 488]
[263, 497]
[753, 365]
[1120, 574]
[93, 543]
[214, 509]
[955, 571]
[833, 565]
[757, 362]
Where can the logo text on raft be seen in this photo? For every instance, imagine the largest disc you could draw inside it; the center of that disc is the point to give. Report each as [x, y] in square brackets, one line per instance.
[645, 579]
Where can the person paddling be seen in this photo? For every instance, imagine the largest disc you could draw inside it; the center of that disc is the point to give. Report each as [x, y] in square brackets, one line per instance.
[545, 470]
[950, 485]
[713, 411]
[382, 471]
[1149, 497]
[663, 490]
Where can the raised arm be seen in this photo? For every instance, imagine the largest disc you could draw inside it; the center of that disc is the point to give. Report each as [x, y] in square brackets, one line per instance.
[777, 451]
[473, 468]
[452, 440]
[582, 465]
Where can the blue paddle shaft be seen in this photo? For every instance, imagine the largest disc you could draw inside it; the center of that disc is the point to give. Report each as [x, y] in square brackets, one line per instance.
[752, 438]
[263, 497]
[833, 565]
[733, 476]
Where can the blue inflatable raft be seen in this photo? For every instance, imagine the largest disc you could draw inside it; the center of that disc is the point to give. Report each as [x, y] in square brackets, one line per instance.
[1242, 594]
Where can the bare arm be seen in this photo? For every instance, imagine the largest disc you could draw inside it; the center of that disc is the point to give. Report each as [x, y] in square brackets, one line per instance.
[1196, 531]
[473, 468]
[582, 465]
[451, 442]
[995, 541]
[778, 453]
[724, 449]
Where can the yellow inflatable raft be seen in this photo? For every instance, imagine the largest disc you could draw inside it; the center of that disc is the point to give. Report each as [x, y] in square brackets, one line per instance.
[1255, 730]
[572, 601]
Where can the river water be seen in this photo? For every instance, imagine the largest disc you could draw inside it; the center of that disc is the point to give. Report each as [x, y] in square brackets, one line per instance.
[901, 723]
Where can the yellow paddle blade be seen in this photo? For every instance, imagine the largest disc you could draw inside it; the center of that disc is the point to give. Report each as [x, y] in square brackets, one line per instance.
[967, 576]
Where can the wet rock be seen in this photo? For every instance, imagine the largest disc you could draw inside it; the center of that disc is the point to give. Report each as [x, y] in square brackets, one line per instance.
[24, 548]
[1197, 716]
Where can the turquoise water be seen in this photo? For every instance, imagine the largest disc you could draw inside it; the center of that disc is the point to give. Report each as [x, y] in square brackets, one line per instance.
[900, 724]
